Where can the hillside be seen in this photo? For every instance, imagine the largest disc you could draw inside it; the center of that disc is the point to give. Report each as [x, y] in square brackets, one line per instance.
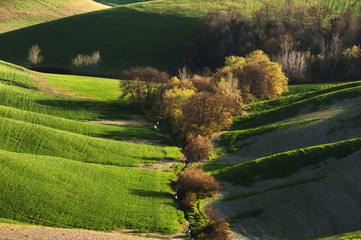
[16, 14]
[102, 180]
[163, 29]
[291, 164]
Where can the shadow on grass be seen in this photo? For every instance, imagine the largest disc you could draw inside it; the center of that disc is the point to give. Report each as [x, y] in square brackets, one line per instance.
[92, 109]
[159, 41]
[152, 194]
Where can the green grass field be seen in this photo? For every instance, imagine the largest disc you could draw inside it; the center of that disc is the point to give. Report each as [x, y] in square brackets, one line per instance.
[24, 137]
[64, 193]
[122, 132]
[56, 160]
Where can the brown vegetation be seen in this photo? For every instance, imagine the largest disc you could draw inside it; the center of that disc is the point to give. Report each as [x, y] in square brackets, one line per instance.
[34, 55]
[195, 184]
[199, 148]
[86, 64]
[217, 228]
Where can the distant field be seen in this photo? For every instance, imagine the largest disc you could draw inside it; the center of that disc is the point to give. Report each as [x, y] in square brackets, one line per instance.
[15, 14]
[163, 30]
[64, 193]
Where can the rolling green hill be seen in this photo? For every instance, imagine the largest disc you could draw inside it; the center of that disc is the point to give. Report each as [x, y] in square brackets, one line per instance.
[58, 169]
[15, 14]
[153, 33]
[64, 193]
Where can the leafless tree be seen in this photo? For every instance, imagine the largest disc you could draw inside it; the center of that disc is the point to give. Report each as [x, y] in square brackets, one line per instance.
[34, 55]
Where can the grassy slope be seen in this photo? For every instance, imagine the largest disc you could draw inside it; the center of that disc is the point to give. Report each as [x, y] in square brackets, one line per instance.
[279, 196]
[285, 164]
[163, 29]
[123, 132]
[15, 14]
[24, 137]
[86, 195]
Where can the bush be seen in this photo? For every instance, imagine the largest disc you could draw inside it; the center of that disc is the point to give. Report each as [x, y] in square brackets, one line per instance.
[199, 148]
[34, 55]
[86, 64]
[217, 228]
[198, 182]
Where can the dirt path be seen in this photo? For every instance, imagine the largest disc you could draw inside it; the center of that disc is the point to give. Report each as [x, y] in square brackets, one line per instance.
[20, 232]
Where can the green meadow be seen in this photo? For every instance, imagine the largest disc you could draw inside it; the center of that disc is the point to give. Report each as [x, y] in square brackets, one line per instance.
[58, 169]
[65, 193]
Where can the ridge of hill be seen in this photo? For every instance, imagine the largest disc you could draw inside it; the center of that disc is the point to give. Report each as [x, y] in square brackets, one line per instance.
[16, 14]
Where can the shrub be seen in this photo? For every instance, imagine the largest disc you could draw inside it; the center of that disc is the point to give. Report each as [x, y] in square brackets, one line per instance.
[190, 199]
[86, 63]
[217, 228]
[196, 181]
[199, 148]
[34, 55]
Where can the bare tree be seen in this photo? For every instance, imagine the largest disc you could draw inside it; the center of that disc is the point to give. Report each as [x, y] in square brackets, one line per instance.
[34, 55]
[184, 73]
[293, 62]
[87, 63]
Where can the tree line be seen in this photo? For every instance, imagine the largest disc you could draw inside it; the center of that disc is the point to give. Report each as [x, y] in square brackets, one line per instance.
[310, 41]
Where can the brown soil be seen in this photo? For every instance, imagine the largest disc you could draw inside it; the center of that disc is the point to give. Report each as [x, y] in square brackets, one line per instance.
[20, 232]
[162, 165]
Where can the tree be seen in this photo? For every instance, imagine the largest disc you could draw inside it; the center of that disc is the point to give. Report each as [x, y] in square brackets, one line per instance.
[258, 76]
[199, 148]
[144, 86]
[34, 55]
[293, 62]
[205, 113]
[87, 64]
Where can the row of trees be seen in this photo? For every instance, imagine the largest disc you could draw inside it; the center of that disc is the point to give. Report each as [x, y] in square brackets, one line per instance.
[202, 105]
[307, 40]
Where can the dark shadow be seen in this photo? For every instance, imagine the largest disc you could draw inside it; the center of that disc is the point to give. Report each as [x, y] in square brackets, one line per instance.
[153, 194]
[90, 109]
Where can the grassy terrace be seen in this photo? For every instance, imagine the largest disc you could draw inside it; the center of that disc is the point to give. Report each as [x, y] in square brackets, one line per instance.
[57, 169]
[24, 137]
[284, 164]
[64, 193]
[281, 109]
